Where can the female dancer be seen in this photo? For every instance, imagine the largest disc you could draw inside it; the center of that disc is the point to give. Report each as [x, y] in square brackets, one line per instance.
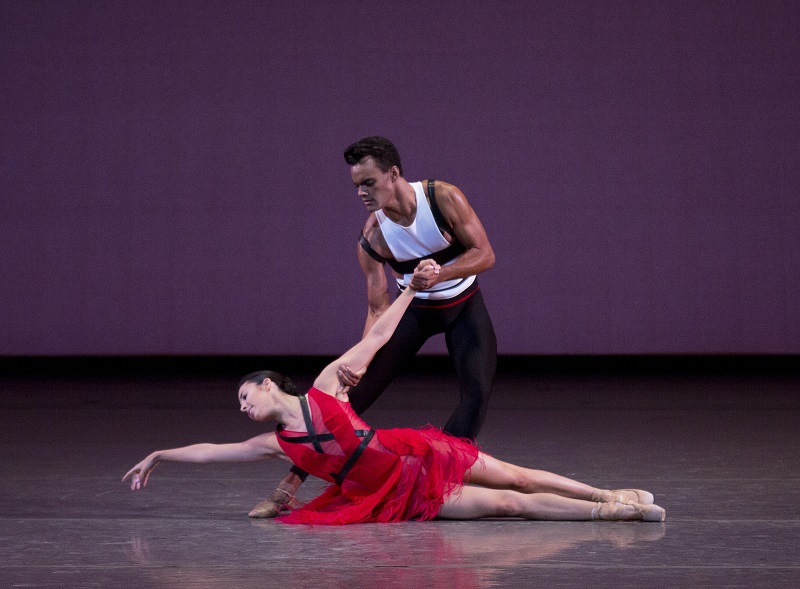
[393, 474]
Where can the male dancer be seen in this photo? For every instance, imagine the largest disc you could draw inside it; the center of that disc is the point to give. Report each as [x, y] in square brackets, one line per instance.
[410, 224]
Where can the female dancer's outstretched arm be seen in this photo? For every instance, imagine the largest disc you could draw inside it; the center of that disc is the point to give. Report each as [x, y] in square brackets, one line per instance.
[359, 356]
[266, 445]
[261, 447]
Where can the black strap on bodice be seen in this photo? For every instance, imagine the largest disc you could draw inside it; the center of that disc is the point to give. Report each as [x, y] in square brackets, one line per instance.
[314, 439]
[305, 439]
[312, 433]
[321, 437]
[339, 478]
[455, 249]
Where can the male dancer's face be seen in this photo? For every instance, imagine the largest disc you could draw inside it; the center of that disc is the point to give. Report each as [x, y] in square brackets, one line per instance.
[375, 187]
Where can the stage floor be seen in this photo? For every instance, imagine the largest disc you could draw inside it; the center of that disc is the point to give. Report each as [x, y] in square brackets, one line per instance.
[719, 451]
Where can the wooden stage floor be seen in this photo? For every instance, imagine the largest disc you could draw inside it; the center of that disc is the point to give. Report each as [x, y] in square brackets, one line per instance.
[718, 448]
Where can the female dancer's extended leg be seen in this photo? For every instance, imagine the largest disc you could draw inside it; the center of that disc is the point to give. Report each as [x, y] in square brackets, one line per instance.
[507, 490]
[477, 502]
[495, 474]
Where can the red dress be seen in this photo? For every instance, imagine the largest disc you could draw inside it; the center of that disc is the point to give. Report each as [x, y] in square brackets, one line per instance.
[393, 475]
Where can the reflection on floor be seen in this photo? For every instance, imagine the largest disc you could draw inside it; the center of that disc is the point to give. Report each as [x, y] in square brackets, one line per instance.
[719, 451]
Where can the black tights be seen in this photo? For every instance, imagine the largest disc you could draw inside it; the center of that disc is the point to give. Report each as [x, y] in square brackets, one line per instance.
[472, 344]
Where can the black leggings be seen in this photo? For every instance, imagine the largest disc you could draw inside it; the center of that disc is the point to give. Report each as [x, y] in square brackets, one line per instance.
[472, 344]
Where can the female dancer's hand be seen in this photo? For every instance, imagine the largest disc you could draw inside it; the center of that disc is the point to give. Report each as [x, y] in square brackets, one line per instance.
[141, 472]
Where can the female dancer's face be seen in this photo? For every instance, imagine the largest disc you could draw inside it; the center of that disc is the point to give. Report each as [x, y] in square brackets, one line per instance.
[253, 400]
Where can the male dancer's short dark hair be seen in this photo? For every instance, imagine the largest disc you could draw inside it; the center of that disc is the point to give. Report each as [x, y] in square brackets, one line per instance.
[380, 148]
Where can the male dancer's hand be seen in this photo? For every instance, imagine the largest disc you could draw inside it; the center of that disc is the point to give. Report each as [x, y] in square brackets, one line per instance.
[426, 274]
[348, 378]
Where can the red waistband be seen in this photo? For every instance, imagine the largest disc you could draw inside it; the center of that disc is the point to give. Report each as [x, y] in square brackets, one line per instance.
[444, 303]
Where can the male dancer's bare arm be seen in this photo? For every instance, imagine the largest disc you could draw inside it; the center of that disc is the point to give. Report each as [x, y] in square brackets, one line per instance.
[378, 299]
[467, 227]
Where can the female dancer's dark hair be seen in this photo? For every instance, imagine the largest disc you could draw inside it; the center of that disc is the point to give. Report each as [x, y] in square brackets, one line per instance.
[283, 382]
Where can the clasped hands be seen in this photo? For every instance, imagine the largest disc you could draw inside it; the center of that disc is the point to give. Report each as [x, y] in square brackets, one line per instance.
[426, 274]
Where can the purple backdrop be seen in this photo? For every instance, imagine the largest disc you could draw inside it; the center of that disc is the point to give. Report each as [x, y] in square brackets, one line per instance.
[172, 179]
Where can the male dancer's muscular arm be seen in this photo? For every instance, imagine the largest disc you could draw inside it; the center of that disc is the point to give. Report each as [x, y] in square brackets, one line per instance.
[467, 227]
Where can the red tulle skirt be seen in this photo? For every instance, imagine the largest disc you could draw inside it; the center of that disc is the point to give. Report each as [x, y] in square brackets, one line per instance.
[408, 475]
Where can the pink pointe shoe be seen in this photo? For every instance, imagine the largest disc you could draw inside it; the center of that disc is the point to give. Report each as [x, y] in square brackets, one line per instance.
[281, 500]
[623, 496]
[618, 511]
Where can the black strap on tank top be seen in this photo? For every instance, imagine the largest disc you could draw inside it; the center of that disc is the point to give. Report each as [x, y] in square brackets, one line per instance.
[455, 249]
[441, 223]
[372, 253]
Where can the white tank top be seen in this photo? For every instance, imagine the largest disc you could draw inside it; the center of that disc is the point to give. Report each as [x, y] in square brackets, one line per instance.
[420, 239]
